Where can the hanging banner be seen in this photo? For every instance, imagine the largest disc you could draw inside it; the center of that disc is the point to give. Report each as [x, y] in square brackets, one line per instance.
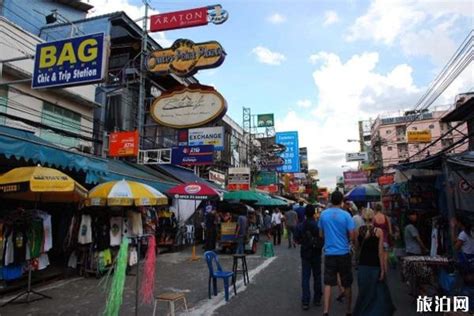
[192, 155]
[238, 179]
[184, 58]
[355, 177]
[188, 18]
[69, 62]
[123, 144]
[291, 154]
[266, 178]
[265, 120]
[189, 107]
[414, 137]
[207, 136]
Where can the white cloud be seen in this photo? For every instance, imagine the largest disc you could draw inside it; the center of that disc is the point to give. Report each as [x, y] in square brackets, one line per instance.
[266, 56]
[133, 11]
[400, 21]
[330, 17]
[305, 103]
[276, 18]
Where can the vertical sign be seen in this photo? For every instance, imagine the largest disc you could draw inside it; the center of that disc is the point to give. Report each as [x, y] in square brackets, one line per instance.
[291, 153]
[304, 159]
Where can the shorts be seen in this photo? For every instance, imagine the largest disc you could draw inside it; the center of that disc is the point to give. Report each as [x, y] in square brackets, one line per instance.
[341, 265]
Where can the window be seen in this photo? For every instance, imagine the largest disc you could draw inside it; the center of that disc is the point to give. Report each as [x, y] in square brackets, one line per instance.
[61, 118]
[431, 126]
[446, 142]
[3, 102]
[401, 130]
[389, 148]
[389, 131]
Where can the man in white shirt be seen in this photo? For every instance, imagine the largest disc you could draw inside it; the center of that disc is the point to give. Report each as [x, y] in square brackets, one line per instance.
[276, 225]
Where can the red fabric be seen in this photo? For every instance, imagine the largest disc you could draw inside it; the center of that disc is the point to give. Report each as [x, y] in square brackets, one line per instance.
[148, 277]
[196, 189]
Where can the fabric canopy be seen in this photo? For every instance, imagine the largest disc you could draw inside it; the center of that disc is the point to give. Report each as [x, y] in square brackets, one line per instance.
[193, 191]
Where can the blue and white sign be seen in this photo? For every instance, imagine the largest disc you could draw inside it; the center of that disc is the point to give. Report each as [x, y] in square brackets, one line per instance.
[192, 155]
[207, 136]
[291, 154]
[69, 62]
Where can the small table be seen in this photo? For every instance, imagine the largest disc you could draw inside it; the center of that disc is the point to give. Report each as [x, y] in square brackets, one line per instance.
[170, 297]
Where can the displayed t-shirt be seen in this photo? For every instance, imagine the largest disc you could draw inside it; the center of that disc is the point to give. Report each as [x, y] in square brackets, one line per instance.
[467, 243]
[85, 230]
[411, 243]
[101, 233]
[43, 261]
[47, 231]
[336, 224]
[9, 253]
[19, 243]
[115, 231]
[35, 238]
[135, 223]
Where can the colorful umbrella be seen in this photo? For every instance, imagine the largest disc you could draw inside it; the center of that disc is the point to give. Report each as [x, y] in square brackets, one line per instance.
[40, 184]
[243, 196]
[193, 191]
[125, 193]
[364, 193]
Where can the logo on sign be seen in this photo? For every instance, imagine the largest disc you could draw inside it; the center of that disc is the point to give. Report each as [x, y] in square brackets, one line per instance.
[188, 107]
[185, 58]
[69, 62]
[192, 188]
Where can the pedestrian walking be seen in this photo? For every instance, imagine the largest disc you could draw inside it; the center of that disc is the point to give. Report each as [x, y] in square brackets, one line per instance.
[382, 221]
[373, 296]
[300, 210]
[241, 232]
[414, 246]
[307, 235]
[347, 206]
[337, 227]
[277, 227]
[291, 221]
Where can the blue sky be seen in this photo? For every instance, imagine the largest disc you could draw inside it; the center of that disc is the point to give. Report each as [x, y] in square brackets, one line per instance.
[322, 65]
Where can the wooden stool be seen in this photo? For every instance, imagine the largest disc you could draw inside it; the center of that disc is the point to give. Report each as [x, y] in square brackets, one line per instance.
[244, 270]
[170, 297]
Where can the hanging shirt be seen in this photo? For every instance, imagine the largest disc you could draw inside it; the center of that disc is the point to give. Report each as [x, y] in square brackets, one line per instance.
[101, 233]
[85, 230]
[115, 231]
[47, 231]
[19, 243]
[467, 243]
[9, 253]
[35, 238]
[135, 222]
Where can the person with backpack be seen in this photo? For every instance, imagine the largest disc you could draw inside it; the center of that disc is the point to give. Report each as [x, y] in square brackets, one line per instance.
[307, 235]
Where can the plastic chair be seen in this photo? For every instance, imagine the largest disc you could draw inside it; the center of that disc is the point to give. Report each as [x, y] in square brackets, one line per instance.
[267, 250]
[218, 273]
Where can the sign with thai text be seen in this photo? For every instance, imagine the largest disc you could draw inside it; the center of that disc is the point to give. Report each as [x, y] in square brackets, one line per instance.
[238, 179]
[266, 178]
[291, 154]
[355, 177]
[184, 58]
[69, 62]
[361, 156]
[123, 144]
[192, 155]
[419, 136]
[217, 177]
[188, 107]
[207, 136]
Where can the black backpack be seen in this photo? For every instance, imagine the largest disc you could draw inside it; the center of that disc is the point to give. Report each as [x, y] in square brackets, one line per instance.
[311, 239]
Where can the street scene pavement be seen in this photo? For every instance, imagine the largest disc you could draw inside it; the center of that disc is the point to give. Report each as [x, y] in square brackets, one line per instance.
[274, 289]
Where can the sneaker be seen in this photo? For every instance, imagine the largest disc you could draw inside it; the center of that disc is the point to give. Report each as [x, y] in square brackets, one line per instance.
[305, 307]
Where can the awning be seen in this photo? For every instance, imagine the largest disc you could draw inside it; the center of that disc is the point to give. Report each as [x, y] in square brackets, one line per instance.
[184, 175]
[461, 160]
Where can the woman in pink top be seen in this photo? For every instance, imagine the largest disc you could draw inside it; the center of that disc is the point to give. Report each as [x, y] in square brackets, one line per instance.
[381, 221]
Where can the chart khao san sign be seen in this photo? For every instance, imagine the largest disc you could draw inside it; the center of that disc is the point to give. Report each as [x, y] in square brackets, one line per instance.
[188, 18]
[123, 144]
[184, 58]
[69, 62]
[193, 106]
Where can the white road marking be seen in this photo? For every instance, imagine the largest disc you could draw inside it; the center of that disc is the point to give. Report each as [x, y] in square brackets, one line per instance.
[208, 307]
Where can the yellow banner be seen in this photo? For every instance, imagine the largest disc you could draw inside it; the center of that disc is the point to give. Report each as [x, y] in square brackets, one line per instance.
[419, 136]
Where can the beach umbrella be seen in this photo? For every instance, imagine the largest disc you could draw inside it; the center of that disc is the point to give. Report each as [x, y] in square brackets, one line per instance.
[125, 193]
[364, 193]
[40, 184]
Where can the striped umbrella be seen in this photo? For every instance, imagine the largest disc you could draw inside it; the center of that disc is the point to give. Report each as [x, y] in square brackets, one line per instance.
[125, 193]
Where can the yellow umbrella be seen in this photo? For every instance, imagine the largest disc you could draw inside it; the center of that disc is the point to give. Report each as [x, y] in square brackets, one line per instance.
[40, 184]
[125, 193]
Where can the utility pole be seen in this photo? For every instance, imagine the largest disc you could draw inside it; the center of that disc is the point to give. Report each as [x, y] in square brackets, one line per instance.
[141, 92]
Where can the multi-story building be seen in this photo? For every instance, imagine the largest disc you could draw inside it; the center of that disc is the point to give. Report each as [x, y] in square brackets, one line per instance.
[389, 137]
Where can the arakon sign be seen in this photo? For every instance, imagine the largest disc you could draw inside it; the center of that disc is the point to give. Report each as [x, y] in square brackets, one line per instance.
[185, 58]
[188, 107]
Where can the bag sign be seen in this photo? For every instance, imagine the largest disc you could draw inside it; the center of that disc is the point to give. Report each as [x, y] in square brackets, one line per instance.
[207, 136]
[69, 62]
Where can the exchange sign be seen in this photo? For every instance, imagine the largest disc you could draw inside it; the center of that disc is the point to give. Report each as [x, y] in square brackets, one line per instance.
[207, 136]
[291, 154]
[192, 155]
[184, 58]
[69, 62]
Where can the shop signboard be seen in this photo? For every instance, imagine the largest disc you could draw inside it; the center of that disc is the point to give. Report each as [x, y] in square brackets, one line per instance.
[272, 188]
[189, 107]
[238, 179]
[183, 137]
[184, 58]
[360, 156]
[386, 179]
[217, 177]
[265, 120]
[304, 159]
[123, 144]
[207, 136]
[188, 18]
[271, 163]
[355, 177]
[266, 178]
[192, 155]
[414, 137]
[69, 62]
[291, 154]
